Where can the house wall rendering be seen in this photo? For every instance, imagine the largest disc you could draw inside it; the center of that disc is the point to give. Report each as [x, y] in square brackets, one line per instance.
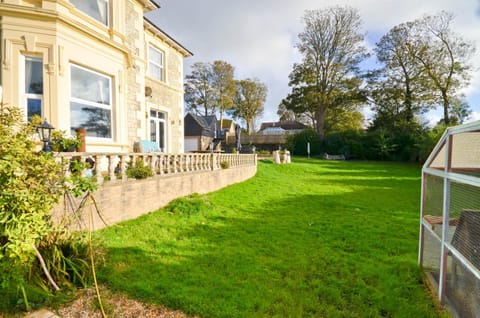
[89, 64]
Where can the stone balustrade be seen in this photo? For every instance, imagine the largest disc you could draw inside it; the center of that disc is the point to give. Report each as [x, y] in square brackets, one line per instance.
[112, 167]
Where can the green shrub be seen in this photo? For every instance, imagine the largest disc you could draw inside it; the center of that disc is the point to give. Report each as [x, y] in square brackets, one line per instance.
[191, 205]
[62, 143]
[139, 171]
[297, 143]
[32, 183]
[225, 164]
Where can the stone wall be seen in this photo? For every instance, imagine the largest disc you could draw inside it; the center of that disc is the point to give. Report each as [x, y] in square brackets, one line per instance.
[127, 200]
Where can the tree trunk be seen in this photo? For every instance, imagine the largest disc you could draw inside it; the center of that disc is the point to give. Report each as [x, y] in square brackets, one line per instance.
[446, 106]
[221, 123]
[249, 126]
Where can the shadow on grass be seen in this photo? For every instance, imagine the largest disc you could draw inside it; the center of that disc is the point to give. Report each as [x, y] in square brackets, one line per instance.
[309, 255]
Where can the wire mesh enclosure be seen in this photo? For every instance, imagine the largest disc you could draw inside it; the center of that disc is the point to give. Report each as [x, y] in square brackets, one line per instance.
[449, 249]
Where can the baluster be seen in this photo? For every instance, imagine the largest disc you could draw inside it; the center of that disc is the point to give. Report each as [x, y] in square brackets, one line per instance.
[111, 167]
[187, 162]
[167, 162]
[153, 161]
[161, 164]
[123, 167]
[98, 172]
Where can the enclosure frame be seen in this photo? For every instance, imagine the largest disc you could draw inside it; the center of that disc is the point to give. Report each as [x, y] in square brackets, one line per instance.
[448, 174]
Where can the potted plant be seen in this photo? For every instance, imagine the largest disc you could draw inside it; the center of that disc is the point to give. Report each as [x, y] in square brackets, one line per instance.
[63, 143]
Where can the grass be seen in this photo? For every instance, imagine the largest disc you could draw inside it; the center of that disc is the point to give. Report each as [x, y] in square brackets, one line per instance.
[310, 239]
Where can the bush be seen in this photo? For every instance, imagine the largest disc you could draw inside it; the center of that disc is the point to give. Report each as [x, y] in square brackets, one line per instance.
[225, 164]
[297, 143]
[62, 143]
[32, 183]
[188, 206]
[351, 144]
[139, 171]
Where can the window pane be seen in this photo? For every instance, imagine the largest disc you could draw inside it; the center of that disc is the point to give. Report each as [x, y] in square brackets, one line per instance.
[153, 130]
[33, 76]
[97, 9]
[34, 107]
[162, 135]
[90, 86]
[155, 71]
[155, 56]
[97, 121]
[161, 115]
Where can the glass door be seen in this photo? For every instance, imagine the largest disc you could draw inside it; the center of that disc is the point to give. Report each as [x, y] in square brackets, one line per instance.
[158, 129]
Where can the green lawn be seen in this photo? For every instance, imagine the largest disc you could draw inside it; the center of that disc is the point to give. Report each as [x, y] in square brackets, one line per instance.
[311, 239]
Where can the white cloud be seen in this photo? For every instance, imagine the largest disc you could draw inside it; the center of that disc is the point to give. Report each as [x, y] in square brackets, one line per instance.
[258, 37]
[475, 116]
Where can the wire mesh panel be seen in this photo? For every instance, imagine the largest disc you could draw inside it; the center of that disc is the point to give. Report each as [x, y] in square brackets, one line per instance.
[450, 228]
[431, 256]
[462, 289]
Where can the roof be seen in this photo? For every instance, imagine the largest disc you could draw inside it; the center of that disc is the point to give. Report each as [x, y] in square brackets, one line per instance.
[284, 124]
[196, 125]
[150, 5]
[155, 29]
[209, 120]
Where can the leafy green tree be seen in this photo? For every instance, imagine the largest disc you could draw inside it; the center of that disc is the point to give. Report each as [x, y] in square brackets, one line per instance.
[327, 78]
[285, 114]
[249, 101]
[444, 56]
[224, 87]
[209, 88]
[199, 93]
[459, 111]
[400, 90]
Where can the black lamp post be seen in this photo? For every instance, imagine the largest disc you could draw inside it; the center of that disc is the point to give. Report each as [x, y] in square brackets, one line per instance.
[45, 130]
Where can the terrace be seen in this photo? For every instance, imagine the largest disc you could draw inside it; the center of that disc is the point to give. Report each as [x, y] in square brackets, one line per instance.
[175, 175]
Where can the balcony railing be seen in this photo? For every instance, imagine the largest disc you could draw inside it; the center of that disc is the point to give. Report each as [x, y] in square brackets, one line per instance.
[112, 167]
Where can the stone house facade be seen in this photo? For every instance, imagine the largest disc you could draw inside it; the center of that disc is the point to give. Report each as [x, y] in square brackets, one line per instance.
[94, 64]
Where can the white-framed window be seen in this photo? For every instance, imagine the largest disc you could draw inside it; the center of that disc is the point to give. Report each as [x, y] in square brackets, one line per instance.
[156, 63]
[91, 102]
[158, 129]
[96, 9]
[33, 93]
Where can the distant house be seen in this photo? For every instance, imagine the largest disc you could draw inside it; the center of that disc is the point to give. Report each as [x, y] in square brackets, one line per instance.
[227, 129]
[287, 127]
[199, 132]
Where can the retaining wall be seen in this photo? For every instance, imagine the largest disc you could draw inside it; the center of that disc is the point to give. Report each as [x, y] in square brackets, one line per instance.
[122, 201]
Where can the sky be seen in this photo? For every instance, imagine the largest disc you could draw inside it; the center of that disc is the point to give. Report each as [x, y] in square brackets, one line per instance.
[258, 37]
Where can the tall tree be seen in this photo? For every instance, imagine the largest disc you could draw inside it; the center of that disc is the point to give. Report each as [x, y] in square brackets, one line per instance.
[199, 93]
[249, 101]
[399, 90]
[444, 55]
[327, 77]
[223, 83]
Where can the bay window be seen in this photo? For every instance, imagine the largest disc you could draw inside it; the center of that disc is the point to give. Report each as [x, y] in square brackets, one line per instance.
[33, 86]
[90, 102]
